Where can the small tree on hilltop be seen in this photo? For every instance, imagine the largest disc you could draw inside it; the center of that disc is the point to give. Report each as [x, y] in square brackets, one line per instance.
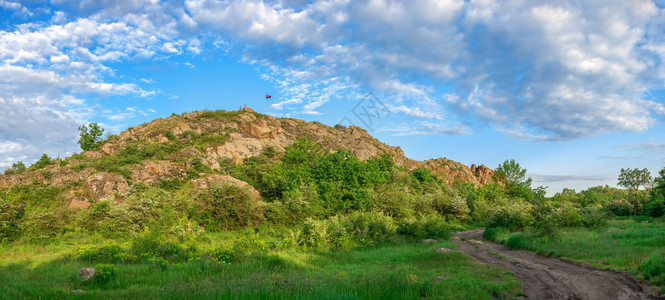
[514, 179]
[633, 179]
[90, 136]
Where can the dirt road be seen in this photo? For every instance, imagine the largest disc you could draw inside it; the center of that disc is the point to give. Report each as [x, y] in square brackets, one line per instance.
[547, 277]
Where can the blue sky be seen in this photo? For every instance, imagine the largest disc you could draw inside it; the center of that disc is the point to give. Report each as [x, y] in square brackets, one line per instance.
[572, 90]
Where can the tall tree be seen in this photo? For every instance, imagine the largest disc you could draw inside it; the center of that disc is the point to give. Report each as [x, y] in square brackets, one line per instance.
[514, 179]
[90, 136]
[633, 179]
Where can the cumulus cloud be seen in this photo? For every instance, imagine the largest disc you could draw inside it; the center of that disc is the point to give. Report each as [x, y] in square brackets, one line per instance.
[549, 71]
[534, 70]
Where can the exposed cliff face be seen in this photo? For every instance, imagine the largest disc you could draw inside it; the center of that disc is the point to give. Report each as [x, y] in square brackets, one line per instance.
[452, 171]
[207, 138]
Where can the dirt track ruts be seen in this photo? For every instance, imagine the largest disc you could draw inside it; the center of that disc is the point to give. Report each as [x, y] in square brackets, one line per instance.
[549, 277]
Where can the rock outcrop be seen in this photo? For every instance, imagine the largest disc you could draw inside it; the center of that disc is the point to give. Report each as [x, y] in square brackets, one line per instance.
[452, 171]
[106, 186]
[152, 172]
[213, 137]
[217, 180]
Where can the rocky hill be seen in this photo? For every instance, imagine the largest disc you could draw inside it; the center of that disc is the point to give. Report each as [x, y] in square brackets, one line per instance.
[178, 147]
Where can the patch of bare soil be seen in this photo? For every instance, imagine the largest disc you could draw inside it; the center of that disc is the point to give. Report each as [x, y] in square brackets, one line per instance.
[549, 277]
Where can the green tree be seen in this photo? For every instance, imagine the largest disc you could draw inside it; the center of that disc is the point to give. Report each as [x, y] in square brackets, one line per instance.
[90, 136]
[16, 168]
[514, 178]
[633, 179]
[659, 183]
[42, 162]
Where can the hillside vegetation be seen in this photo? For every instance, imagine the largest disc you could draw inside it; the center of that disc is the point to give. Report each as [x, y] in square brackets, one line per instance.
[227, 198]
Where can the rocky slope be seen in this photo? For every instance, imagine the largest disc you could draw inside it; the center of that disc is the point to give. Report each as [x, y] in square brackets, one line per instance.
[174, 147]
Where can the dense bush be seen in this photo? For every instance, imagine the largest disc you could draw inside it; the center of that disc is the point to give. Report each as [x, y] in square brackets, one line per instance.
[40, 225]
[344, 231]
[451, 204]
[655, 206]
[227, 207]
[496, 234]
[515, 215]
[620, 207]
[223, 255]
[110, 253]
[10, 217]
[43, 161]
[517, 240]
[592, 217]
[368, 227]
[432, 226]
[16, 168]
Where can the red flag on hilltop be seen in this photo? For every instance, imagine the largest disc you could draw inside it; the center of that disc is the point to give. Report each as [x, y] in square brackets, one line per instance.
[268, 96]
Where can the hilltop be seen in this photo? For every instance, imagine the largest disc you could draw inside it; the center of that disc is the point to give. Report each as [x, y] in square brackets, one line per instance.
[198, 146]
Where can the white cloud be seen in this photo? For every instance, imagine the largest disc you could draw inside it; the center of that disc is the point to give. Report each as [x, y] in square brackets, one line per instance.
[553, 71]
[534, 70]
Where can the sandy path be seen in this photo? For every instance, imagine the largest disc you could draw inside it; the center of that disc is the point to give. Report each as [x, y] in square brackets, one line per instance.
[548, 277]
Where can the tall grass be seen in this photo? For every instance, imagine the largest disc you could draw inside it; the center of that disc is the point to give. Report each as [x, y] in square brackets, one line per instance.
[624, 244]
[401, 270]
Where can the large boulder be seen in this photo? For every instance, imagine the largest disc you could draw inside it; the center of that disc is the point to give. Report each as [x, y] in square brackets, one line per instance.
[78, 203]
[217, 180]
[105, 186]
[152, 172]
[64, 176]
[482, 173]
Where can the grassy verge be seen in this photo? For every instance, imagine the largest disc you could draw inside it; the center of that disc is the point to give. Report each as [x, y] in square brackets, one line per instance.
[624, 244]
[402, 270]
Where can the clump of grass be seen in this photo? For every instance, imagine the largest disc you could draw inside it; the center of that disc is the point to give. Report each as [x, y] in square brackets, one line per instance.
[496, 234]
[653, 266]
[518, 240]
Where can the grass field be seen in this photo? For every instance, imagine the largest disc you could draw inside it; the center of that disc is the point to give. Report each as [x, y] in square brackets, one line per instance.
[624, 244]
[406, 269]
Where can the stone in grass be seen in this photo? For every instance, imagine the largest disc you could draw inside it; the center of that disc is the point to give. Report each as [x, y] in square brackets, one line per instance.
[78, 291]
[87, 273]
[442, 250]
[429, 241]
[439, 278]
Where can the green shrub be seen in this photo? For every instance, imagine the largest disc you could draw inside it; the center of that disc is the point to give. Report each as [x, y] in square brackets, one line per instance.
[620, 207]
[251, 243]
[567, 216]
[515, 215]
[105, 273]
[655, 206]
[223, 255]
[313, 234]
[368, 227]
[10, 217]
[451, 205]
[394, 200]
[158, 262]
[170, 136]
[517, 240]
[90, 136]
[423, 175]
[653, 266]
[227, 207]
[41, 163]
[592, 217]
[152, 243]
[496, 234]
[103, 254]
[40, 225]
[16, 168]
[432, 226]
